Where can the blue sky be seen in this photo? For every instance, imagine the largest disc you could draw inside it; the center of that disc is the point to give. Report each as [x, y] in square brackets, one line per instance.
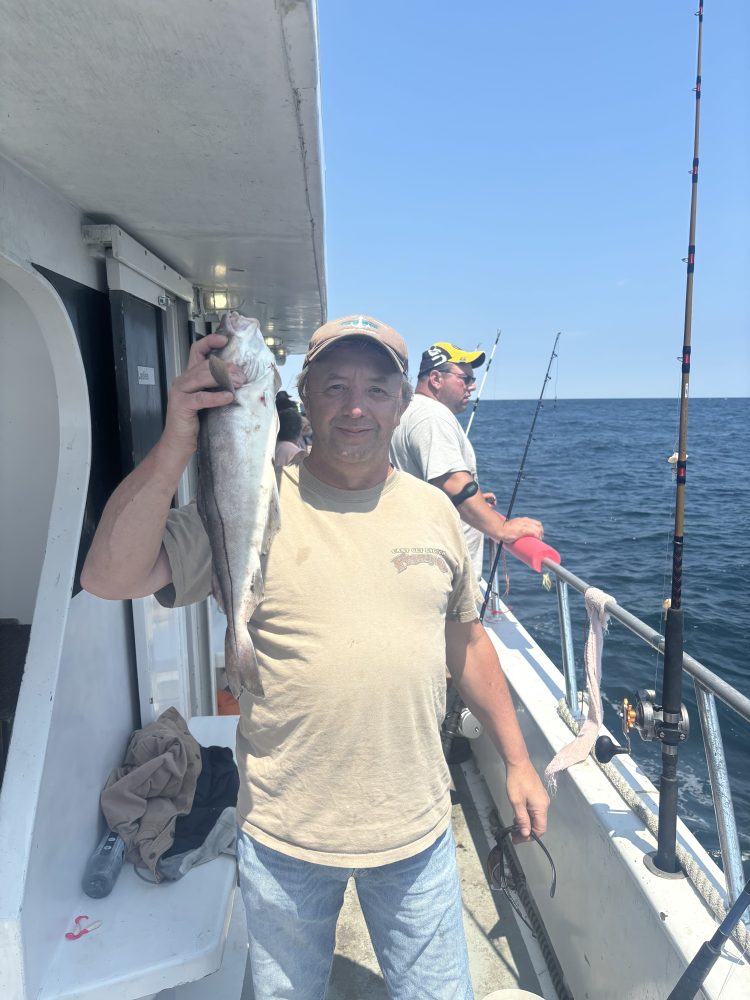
[526, 166]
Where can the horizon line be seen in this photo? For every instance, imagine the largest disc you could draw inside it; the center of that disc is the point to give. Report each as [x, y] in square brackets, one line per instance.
[581, 399]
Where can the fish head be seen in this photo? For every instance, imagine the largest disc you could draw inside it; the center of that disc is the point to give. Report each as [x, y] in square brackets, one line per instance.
[246, 348]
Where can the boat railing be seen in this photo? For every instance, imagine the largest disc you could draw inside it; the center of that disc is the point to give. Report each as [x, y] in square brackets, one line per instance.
[708, 687]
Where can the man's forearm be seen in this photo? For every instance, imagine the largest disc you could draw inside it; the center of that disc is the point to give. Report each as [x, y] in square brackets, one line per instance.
[483, 687]
[480, 515]
[126, 558]
[128, 540]
[474, 511]
[493, 706]
[476, 670]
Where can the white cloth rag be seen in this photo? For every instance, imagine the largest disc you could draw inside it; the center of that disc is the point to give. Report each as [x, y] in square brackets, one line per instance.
[579, 749]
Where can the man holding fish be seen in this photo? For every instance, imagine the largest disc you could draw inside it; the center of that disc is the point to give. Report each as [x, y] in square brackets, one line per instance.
[356, 597]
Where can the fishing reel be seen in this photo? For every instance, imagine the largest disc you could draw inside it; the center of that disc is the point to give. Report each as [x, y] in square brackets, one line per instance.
[460, 721]
[647, 718]
[469, 725]
[604, 748]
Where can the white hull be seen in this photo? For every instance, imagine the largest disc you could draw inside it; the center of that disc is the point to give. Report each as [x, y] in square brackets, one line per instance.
[619, 931]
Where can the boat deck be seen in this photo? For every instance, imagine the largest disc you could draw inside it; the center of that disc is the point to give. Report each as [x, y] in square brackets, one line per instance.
[497, 953]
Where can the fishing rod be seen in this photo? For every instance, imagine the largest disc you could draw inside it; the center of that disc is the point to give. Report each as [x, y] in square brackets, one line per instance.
[481, 387]
[453, 718]
[696, 973]
[519, 477]
[669, 722]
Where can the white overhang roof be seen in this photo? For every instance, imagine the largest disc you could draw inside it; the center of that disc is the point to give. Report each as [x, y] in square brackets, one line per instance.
[192, 124]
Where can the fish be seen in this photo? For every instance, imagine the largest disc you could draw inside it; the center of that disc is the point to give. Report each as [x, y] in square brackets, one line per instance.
[238, 499]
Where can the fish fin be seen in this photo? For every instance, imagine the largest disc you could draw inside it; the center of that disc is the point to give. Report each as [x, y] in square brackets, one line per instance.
[241, 663]
[220, 372]
[273, 522]
[216, 591]
[258, 585]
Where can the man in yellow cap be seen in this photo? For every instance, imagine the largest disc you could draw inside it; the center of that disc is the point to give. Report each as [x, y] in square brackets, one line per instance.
[431, 444]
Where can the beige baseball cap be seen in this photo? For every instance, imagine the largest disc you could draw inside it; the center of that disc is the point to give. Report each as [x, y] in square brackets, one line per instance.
[352, 327]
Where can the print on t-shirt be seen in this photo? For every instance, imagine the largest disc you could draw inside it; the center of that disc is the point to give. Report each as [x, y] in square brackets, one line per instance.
[404, 558]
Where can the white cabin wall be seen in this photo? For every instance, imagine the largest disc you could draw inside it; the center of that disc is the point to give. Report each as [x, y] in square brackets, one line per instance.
[60, 531]
[29, 444]
[77, 703]
[40, 226]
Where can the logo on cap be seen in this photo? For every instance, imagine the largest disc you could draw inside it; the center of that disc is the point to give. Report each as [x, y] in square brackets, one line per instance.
[437, 356]
[359, 324]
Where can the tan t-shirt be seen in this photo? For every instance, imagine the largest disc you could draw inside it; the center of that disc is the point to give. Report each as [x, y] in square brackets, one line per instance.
[341, 762]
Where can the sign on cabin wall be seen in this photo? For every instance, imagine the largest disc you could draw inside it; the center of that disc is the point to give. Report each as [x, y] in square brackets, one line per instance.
[139, 364]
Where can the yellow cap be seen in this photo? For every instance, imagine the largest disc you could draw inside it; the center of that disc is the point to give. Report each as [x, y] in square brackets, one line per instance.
[444, 353]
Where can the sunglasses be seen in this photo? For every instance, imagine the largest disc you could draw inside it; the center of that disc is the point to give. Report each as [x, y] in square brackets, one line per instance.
[506, 875]
[466, 379]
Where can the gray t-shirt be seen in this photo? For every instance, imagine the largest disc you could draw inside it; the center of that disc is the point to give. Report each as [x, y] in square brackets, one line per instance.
[429, 442]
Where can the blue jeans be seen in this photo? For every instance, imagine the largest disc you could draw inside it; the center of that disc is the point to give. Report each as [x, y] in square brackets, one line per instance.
[412, 909]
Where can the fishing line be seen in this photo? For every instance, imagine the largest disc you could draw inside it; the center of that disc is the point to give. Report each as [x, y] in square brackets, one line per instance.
[519, 477]
[453, 713]
[484, 379]
[557, 376]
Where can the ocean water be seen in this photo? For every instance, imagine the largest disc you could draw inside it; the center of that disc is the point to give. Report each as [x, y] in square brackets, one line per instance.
[597, 476]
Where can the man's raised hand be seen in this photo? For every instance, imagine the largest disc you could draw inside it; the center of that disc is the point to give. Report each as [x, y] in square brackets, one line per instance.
[194, 390]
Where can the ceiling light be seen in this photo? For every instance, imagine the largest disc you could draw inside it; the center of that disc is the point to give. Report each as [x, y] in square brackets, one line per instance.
[218, 300]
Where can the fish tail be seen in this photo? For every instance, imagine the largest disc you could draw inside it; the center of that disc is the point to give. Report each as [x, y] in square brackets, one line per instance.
[241, 663]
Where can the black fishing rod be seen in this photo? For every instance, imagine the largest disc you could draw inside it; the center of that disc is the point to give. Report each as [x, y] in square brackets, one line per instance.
[481, 387]
[696, 973]
[519, 477]
[452, 720]
[669, 722]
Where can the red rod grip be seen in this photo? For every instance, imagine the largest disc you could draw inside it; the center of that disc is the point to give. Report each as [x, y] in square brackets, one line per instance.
[531, 551]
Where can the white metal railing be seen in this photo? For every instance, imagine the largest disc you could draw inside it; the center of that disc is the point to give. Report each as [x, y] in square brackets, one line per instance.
[708, 687]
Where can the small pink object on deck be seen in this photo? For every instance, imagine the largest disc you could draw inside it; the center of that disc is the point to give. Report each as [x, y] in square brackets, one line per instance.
[82, 929]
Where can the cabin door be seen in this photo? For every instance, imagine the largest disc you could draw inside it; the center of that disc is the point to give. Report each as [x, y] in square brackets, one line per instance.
[151, 346]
